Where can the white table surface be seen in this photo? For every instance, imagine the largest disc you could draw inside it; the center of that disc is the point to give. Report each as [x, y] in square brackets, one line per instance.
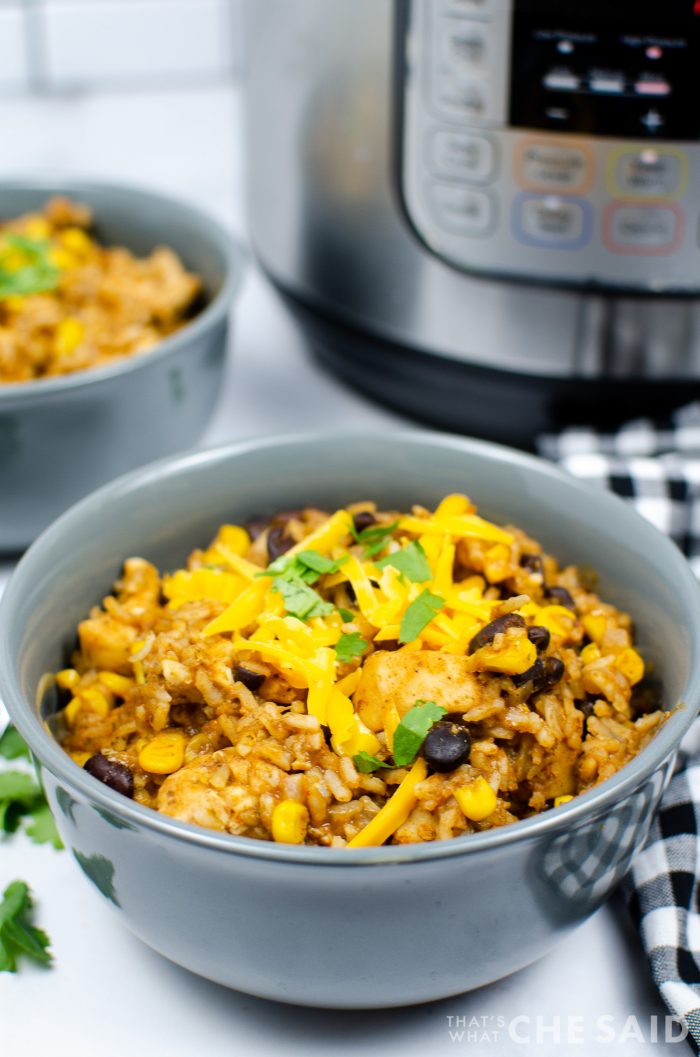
[108, 994]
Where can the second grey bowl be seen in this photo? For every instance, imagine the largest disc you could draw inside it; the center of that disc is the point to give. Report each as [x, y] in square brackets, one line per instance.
[62, 437]
[338, 927]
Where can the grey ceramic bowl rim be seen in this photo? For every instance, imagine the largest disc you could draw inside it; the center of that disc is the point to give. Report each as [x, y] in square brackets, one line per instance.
[549, 823]
[232, 251]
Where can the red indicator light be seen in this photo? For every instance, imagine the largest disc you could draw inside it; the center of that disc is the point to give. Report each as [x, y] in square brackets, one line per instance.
[696, 7]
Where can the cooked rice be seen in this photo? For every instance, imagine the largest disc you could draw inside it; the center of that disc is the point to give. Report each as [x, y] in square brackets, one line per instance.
[242, 756]
[105, 303]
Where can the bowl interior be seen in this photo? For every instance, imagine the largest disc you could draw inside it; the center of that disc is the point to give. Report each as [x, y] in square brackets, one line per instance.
[167, 509]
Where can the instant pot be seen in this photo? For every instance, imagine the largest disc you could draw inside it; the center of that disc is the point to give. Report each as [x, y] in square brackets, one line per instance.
[484, 213]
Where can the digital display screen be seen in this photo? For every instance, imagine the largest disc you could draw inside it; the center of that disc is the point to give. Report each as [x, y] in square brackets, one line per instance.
[601, 70]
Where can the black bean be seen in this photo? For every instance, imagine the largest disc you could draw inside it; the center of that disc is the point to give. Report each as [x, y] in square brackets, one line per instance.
[278, 542]
[534, 675]
[256, 526]
[249, 677]
[562, 596]
[386, 644]
[446, 746]
[587, 705]
[553, 670]
[539, 637]
[533, 563]
[326, 735]
[363, 520]
[496, 627]
[111, 773]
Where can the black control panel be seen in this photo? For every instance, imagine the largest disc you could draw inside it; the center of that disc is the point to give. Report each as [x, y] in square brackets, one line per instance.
[607, 69]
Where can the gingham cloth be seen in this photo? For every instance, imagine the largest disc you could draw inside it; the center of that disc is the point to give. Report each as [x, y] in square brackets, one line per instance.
[656, 466]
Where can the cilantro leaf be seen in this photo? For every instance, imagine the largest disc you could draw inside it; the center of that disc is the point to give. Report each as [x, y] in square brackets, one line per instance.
[17, 934]
[366, 763]
[35, 273]
[300, 600]
[350, 646]
[419, 614]
[42, 828]
[22, 799]
[13, 745]
[412, 730]
[320, 563]
[346, 615]
[410, 561]
[374, 538]
[306, 566]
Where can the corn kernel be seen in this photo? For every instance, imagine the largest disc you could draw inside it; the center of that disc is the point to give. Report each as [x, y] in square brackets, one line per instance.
[95, 700]
[67, 678]
[71, 710]
[118, 684]
[290, 821]
[594, 624]
[163, 754]
[75, 240]
[558, 620]
[477, 800]
[69, 334]
[234, 538]
[514, 658]
[81, 758]
[631, 665]
[559, 800]
[590, 653]
[497, 562]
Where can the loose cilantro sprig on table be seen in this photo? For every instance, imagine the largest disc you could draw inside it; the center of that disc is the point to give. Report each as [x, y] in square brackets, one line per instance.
[21, 799]
[34, 275]
[409, 735]
[17, 934]
[410, 561]
[350, 646]
[419, 614]
[12, 745]
[374, 538]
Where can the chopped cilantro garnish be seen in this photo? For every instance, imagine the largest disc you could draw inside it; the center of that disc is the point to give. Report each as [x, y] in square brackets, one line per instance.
[300, 600]
[350, 646]
[366, 763]
[410, 561]
[419, 614]
[31, 270]
[346, 615]
[17, 934]
[374, 538]
[319, 562]
[306, 566]
[412, 730]
[13, 745]
[22, 799]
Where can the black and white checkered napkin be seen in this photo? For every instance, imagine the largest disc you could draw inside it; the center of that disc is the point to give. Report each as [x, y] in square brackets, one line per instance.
[656, 466]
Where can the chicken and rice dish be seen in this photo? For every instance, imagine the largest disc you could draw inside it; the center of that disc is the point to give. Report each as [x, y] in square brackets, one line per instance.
[68, 303]
[357, 678]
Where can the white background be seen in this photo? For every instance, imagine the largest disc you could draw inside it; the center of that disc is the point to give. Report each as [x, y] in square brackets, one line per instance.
[108, 995]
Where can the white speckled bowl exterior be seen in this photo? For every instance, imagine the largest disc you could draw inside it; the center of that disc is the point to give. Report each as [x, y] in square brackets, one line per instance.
[334, 927]
[60, 438]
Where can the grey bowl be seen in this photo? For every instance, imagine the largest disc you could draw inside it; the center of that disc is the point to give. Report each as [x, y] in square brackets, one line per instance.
[363, 927]
[60, 438]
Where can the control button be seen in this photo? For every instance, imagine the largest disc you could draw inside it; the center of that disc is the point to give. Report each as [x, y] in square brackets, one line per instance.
[652, 87]
[629, 227]
[562, 81]
[461, 208]
[607, 83]
[648, 172]
[553, 167]
[460, 154]
[464, 44]
[471, 8]
[460, 97]
[551, 221]
[652, 121]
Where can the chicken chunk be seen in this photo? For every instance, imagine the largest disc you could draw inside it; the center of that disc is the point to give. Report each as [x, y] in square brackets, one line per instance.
[106, 644]
[204, 794]
[398, 680]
